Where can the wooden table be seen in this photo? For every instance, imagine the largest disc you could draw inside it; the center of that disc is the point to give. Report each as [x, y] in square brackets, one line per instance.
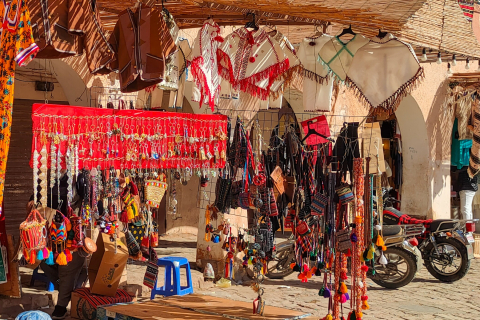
[193, 307]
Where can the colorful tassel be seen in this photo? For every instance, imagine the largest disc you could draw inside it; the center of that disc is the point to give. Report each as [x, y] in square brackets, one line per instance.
[61, 259]
[379, 242]
[292, 265]
[69, 255]
[40, 255]
[383, 260]
[371, 253]
[364, 268]
[353, 237]
[365, 305]
[343, 299]
[352, 316]
[347, 296]
[364, 298]
[328, 317]
[343, 288]
[33, 256]
[50, 261]
[326, 293]
[343, 276]
[321, 291]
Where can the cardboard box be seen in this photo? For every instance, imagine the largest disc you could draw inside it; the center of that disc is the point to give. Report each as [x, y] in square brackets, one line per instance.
[107, 265]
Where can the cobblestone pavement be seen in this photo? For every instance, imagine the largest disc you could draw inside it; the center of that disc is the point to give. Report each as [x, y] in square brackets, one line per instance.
[423, 299]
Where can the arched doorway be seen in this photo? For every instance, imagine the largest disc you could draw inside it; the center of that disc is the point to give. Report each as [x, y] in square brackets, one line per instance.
[416, 187]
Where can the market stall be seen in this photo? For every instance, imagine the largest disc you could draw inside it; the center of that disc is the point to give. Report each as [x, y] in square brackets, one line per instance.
[100, 174]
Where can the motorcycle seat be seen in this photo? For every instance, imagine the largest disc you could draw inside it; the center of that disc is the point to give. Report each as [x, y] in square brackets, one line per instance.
[445, 226]
[391, 230]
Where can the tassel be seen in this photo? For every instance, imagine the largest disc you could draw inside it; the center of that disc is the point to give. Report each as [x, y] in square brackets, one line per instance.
[384, 248]
[364, 268]
[342, 318]
[353, 237]
[383, 260]
[124, 217]
[364, 298]
[365, 305]
[296, 268]
[50, 261]
[62, 259]
[219, 39]
[40, 255]
[352, 316]
[343, 288]
[326, 293]
[343, 299]
[360, 283]
[343, 276]
[329, 317]
[292, 265]
[348, 253]
[32, 257]
[309, 274]
[69, 255]
[359, 315]
[45, 253]
[371, 253]
[318, 272]
[347, 296]
[321, 291]
[379, 242]
[130, 214]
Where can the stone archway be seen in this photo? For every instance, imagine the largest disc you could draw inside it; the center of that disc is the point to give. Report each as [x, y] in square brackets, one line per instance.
[416, 187]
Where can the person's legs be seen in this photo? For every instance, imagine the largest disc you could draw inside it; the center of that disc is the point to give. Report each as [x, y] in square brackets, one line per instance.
[51, 272]
[466, 201]
[68, 276]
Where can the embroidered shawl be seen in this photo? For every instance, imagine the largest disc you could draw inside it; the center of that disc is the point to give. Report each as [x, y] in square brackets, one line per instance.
[251, 61]
[291, 77]
[317, 82]
[383, 72]
[338, 55]
[204, 63]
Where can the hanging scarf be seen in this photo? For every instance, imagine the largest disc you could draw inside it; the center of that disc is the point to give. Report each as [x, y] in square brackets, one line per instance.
[251, 61]
[338, 55]
[204, 63]
[317, 85]
[383, 72]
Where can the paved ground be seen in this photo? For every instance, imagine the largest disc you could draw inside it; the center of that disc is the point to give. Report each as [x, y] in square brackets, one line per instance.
[424, 298]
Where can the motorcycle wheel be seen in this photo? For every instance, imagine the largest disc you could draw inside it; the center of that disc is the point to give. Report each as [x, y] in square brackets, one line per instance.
[398, 272]
[279, 267]
[452, 264]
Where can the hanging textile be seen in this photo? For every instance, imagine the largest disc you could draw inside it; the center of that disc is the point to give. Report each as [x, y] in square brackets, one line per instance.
[251, 61]
[338, 55]
[85, 21]
[373, 147]
[130, 138]
[143, 43]
[460, 149]
[184, 50]
[204, 66]
[17, 46]
[383, 72]
[463, 112]
[474, 166]
[317, 85]
[50, 25]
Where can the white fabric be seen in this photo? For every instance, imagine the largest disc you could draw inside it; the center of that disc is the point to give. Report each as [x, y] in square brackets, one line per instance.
[294, 61]
[316, 96]
[382, 71]
[466, 201]
[338, 55]
[176, 99]
[251, 61]
[204, 66]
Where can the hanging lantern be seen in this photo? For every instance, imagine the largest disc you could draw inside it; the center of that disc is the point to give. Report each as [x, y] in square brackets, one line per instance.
[467, 65]
[424, 54]
[439, 58]
[478, 68]
[449, 69]
[454, 60]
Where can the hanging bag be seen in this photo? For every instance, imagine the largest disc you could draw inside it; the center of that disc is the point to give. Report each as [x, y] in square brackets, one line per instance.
[244, 199]
[343, 235]
[345, 194]
[319, 204]
[154, 192]
[33, 237]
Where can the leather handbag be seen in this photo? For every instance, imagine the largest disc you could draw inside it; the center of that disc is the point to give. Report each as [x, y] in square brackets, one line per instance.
[278, 179]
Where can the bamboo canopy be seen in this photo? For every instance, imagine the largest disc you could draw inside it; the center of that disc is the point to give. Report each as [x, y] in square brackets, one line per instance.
[436, 24]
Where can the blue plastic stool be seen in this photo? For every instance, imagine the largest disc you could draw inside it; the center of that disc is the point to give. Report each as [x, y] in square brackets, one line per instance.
[172, 265]
[42, 277]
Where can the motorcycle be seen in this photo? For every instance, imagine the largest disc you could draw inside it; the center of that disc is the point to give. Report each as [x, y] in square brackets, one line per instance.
[445, 247]
[402, 256]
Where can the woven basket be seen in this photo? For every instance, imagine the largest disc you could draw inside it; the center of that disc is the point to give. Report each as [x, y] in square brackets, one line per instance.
[154, 192]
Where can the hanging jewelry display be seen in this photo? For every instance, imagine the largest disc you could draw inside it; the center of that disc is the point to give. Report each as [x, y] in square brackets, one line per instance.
[53, 168]
[43, 176]
[70, 169]
[35, 175]
[59, 173]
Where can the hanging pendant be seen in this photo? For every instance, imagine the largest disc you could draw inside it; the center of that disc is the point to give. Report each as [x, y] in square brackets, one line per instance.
[43, 176]
[35, 175]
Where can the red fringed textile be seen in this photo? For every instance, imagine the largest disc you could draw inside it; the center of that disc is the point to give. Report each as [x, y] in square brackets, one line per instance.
[131, 138]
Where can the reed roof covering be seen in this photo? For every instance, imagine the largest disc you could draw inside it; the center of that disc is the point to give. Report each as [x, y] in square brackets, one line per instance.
[436, 24]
